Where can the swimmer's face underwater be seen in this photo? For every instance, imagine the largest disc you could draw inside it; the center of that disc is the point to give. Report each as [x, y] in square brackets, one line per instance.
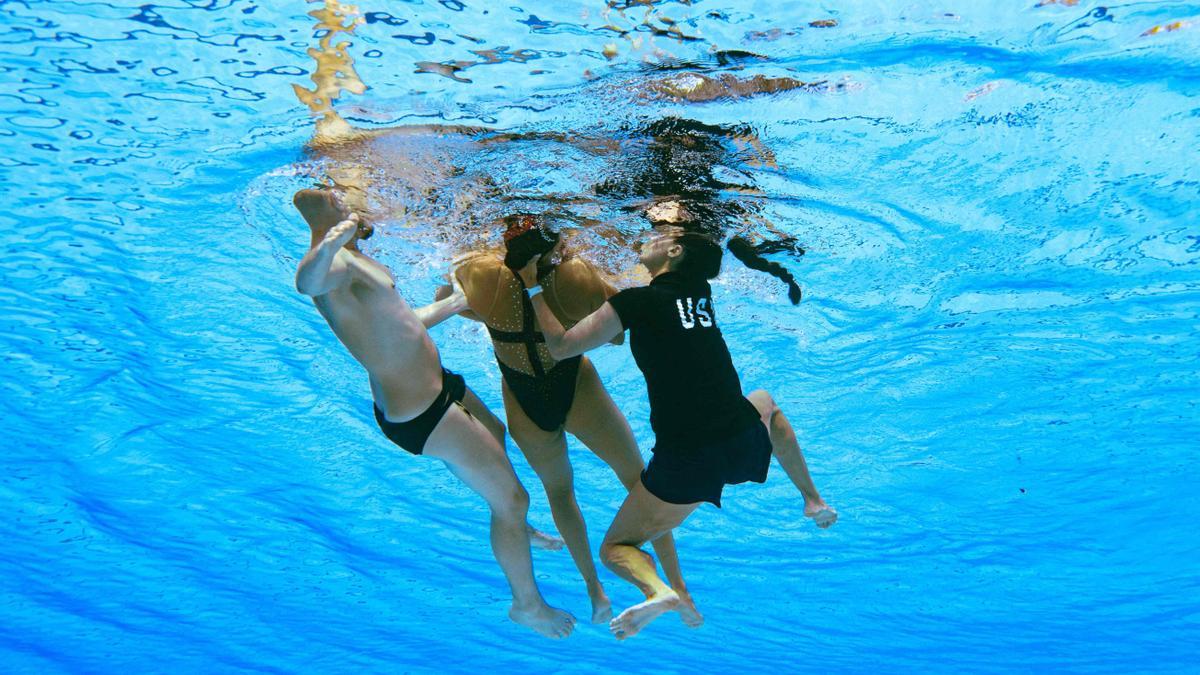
[659, 246]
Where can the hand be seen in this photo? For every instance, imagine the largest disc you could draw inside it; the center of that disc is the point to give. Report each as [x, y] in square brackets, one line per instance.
[528, 273]
[457, 296]
[821, 513]
[339, 235]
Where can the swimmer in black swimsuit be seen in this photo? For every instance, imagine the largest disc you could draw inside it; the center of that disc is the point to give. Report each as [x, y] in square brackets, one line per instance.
[418, 404]
[707, 434]
[545, 398]
[411, 435]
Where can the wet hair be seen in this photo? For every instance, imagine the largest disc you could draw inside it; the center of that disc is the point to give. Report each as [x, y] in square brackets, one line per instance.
[750, 257]
[525, 237]
[701, 256]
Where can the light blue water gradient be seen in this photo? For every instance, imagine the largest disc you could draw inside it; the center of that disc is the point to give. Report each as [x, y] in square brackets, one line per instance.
[994, 372]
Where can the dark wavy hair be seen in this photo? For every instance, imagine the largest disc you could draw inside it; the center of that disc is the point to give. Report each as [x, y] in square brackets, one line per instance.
[751, 257]
[525, 237]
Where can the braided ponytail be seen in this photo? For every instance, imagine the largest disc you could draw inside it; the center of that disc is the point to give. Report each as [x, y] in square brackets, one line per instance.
[744, 251]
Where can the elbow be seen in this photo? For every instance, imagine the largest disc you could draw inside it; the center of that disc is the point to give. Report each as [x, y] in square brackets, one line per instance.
[306, 286]
[558, 350]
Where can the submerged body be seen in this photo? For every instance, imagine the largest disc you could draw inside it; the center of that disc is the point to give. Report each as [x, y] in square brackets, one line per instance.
[708, 434]
[420, 406]
[545, 398]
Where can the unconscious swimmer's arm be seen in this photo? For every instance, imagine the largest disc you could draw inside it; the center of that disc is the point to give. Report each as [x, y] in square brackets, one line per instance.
[322, 269]
[592, 331]
[440, 310]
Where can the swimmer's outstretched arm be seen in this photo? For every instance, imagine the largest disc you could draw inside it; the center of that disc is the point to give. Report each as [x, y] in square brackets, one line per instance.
[596, 329]
[440, 310]
[322, 269]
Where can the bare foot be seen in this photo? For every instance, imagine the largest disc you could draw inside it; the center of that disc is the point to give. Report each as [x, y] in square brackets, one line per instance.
[822, 514]
[601, 605]
[635, 618]
[324, 208]
[687, 611]
[550, 622]
[321, 208]
[539, 539]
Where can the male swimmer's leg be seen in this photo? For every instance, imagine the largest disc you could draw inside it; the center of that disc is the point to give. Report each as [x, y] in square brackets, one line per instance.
[597, 422]
[471, 452]
[546, 452]
[484, 414]
[786, 449]
[643, 517]
[476, 407]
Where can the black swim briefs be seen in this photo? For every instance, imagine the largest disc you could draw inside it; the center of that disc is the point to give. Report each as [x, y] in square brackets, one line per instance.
[691, 474]
[547, 398]
[411, 435]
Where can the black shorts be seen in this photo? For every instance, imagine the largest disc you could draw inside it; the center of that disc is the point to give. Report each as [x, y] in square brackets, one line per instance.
[411, 435]
[547, 399]
[691, 474]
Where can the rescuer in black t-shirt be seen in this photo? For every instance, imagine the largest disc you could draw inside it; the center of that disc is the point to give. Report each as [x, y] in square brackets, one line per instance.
[707, 433]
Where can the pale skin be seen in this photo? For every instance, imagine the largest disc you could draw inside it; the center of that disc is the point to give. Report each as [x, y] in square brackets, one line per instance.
[597, 422]
[643, 517]
[358, 297]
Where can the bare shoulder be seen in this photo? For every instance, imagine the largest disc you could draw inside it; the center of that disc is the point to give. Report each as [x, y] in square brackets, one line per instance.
[482, 276]
[473, 261]
[577, 288]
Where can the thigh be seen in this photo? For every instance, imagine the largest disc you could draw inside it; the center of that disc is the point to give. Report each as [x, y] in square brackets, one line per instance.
[597, 422]
[644, 517]
[538, 445]
[476, 407]
[473, 455]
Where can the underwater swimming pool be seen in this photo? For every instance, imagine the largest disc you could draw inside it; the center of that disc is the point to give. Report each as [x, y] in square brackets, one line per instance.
[993, 371]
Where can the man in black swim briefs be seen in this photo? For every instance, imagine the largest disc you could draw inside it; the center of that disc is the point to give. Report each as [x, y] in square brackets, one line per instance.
[708, 435]
[545, 398]
[419, 405]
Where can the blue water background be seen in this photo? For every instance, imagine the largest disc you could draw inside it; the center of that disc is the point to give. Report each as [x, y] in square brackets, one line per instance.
[994, 372]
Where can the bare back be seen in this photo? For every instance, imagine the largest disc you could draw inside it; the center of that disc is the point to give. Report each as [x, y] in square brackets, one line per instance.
[573, 291]
[383, 333]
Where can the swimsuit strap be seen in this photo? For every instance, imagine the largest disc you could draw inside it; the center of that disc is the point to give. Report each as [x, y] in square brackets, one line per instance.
[529, 335]
[514, 336]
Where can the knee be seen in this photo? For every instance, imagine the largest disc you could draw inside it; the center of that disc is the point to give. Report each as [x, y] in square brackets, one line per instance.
[560, 492]
[514, 505]
[765, 403]
[608, 553]
[630, 481]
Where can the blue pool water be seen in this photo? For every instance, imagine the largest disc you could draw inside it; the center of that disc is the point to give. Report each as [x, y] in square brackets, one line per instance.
[993, 373]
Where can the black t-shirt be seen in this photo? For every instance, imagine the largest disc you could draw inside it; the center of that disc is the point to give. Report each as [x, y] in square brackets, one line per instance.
[695, 394]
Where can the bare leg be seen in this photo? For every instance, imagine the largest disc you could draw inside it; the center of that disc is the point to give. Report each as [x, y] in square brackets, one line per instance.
[597, 422]
[471, 452]
[546, 452]
[787, 450]
[476, 407]
[643, 517]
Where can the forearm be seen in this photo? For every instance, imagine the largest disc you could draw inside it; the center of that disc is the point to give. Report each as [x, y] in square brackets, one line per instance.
[592, 331]
[437, 312]
[312, 277]
[551, 327]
